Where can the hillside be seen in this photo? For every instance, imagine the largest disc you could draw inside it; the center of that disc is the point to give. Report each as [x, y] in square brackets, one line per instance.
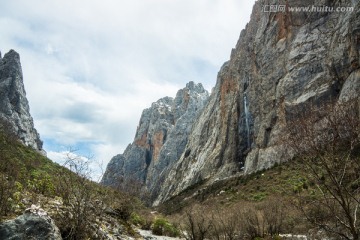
[40, 199]
[80, 208]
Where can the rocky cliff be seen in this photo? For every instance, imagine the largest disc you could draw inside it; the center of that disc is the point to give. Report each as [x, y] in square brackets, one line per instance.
[14, 107]
[283, 62]
[160, 140]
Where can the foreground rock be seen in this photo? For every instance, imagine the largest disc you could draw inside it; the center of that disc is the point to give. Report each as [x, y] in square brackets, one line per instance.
[33, 224]
[51, 215]
[14, 106]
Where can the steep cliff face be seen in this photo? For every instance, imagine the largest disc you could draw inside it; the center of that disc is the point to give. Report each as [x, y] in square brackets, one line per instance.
[14, 107]
[154, 125]
[282, 63]
[160, 139]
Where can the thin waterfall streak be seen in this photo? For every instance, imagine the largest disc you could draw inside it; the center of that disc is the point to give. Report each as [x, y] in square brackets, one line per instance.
[247, 120]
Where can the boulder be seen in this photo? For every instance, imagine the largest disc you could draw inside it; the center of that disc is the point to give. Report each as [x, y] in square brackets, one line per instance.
[33, 224]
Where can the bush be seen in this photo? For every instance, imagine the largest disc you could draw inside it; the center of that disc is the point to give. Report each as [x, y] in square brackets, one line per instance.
[41, 182]
[243, 220]
[259, 196]
[124, 208]
[7, 191]
[162, 227]
[137, 219]
[196, 224]
[77, 191]
[327, 139]
[144, 220]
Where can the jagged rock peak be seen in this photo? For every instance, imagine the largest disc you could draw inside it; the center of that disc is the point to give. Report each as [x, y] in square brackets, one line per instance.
[12, 54]
[159, 141]
[196, 87]
[165, 102]
[14, 106]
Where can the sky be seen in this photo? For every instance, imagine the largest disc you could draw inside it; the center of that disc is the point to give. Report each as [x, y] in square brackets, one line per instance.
[90, 67]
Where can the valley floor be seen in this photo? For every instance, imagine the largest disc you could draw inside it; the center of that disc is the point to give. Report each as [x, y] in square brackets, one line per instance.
[147, 235]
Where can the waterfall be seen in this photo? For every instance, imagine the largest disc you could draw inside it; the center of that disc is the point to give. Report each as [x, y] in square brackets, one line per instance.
[247, 120]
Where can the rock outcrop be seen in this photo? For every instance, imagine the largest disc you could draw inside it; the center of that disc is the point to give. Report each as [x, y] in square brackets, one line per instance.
[160, 140]
[14, 106]
[283, 62]
[33, 224]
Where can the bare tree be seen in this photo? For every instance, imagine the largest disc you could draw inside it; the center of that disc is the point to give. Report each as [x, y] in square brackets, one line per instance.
[226, 223]
[326, 140]
[253, 223]
[77, 192]
[274, 214]
[197, 224]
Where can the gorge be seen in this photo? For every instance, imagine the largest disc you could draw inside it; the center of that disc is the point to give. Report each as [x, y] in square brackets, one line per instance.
[283, 62]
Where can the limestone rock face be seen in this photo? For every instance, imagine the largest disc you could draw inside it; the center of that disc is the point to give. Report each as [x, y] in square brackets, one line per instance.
[282, 63]
[160, 139]
[14, 106]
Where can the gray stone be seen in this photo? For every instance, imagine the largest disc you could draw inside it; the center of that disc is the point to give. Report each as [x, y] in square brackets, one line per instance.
[33, 224]
[14, 106]
[351, 88]
[187, 104]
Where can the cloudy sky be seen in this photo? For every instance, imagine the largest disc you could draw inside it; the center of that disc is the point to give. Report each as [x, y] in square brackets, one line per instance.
[90, 67]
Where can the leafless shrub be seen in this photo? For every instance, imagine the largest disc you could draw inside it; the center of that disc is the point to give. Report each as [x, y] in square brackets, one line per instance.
[77, 192]
[274, 215]
[197, 223]
[226, 224]
[326, 140]
[253, 223]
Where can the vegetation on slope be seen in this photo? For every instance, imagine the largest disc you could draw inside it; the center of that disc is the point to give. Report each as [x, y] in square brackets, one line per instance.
[318, 191]
[81, 208]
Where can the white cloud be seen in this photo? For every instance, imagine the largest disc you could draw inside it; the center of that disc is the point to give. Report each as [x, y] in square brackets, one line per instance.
[90, 67]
